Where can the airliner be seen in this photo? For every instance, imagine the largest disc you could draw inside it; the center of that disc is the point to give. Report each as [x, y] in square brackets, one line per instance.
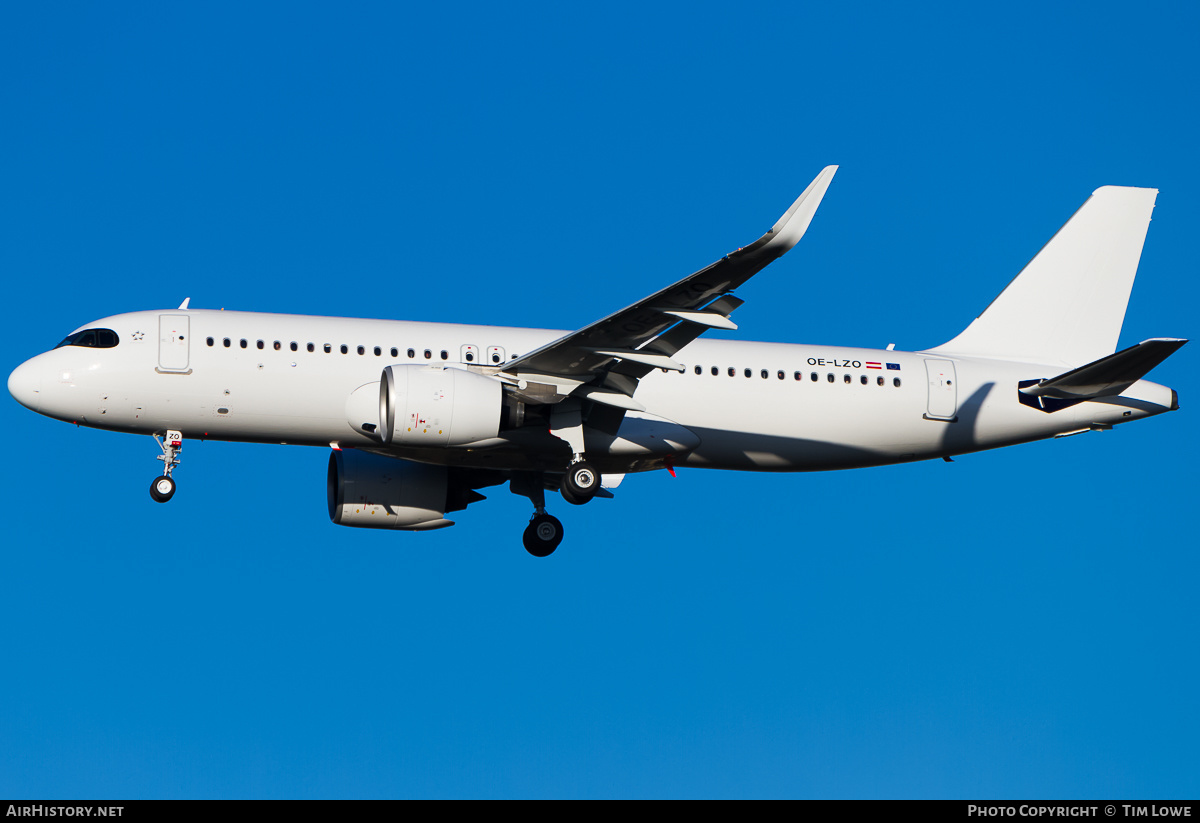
[420, 416]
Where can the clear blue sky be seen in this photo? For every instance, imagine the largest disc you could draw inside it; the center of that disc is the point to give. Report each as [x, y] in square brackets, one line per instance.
[1017, 623]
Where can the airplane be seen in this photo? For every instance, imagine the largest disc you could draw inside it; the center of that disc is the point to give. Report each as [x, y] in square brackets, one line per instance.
[421, 416]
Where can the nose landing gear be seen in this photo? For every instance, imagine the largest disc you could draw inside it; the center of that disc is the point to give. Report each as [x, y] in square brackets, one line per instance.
[163, 488]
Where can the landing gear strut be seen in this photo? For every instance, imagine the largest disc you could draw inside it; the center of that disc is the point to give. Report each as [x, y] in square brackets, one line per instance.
[163, 488]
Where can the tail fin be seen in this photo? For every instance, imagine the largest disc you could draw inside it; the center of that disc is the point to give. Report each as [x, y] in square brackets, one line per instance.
[1067, 305]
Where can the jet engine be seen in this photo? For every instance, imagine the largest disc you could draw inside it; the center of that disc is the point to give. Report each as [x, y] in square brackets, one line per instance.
[433, 406]
[375, 492]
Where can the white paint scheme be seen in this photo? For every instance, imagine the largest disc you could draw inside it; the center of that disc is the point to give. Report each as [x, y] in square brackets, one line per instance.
[849, 408]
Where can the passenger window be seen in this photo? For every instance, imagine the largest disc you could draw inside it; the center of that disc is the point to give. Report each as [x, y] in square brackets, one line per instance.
[879, 380]
[278, 345]
[747, 372]
[395, 352]
[763, 374]
[260, 344]
[226, 342]
[243, 343]
[780, 374]
[863, 380]
[799, 376]
[411, 354]
[732, 371]
[831, 377]
[344, 349]
[210, 341]
[445, 354]
[378, 352]
[699, 370]
[295, 346]
[428, 354]
[311, 347]
[847, 380]
[328, 348]
[715, 371]
[896, 382]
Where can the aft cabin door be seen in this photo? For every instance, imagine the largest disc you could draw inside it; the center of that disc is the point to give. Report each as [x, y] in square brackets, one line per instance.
[943, 390]
[173, 334]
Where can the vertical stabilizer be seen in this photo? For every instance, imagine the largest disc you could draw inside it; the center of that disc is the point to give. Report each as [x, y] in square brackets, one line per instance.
[1067, 305]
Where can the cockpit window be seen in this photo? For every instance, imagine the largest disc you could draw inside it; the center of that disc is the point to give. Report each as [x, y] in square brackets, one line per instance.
[91, 338]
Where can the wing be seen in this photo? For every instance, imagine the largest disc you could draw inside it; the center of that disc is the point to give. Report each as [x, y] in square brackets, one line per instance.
[604, 360]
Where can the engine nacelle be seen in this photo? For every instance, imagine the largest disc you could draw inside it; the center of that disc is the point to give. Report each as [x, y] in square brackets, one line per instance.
[374, 492]
[435, 406]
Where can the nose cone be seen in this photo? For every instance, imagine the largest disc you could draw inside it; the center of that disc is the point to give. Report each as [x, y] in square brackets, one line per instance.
[24, 384]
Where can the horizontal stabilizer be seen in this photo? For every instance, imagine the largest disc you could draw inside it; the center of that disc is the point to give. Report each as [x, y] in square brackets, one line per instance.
[1107, 376]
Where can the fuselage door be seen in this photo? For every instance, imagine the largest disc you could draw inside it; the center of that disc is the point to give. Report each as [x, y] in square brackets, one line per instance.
[943, 390]
[173, 334]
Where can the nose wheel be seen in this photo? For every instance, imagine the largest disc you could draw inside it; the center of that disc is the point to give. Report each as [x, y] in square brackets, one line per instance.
[163, 488]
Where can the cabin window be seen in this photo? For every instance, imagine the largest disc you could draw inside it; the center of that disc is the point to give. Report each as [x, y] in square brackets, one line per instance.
[260, 344]
[226, 342]
[209, 341]
[311, 347]
[896, 382]
[847, 380]
[328, 348]
[361, 350]
[278, 345]
[799, 376]
[378, 352]
[395, 352]
[779, 374]
[814, 377]
[715, 371]
[295, 346]
[445, 354]
[879, 380]
[243, 343]
[411, 354]
[831, 378]
[428, 354]
[763, 374]
[863, 380]
[732, 371]
[344, 349]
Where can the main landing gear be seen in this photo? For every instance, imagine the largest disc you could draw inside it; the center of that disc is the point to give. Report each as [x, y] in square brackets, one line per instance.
[543, 534]
[580, 483]
[163, 488]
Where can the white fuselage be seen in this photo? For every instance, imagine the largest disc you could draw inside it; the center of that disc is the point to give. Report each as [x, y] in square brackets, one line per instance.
[767, 407]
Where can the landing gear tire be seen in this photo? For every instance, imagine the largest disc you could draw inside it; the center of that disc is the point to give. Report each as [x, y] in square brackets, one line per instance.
[542, 535]
[162, 489]
[580, 483]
